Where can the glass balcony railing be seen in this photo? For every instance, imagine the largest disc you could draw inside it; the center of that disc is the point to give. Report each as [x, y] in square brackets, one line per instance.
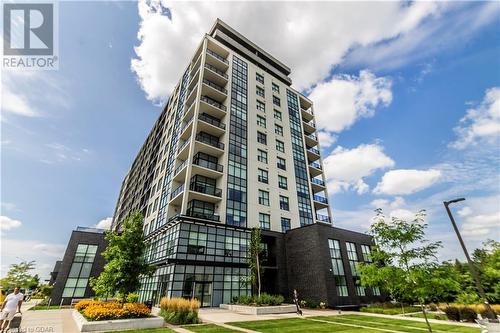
[209, 140]
[215, 86]
[315, 165]
[212, 102]
[313, 150]
[323, 218]
[216, 55]
[180, 167]
[190, 120]
[310, 123]
[207, 164]
[184, 144]
[200, 215]
[212, 121]
[321, 199]
[312, 136]
[206, 189]
[178, 190]
[317, 181]
[216, 70]
[309, 111]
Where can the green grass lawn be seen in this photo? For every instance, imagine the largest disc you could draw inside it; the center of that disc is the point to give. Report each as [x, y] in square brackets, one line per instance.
[401, 325]
[44, 307]
[208, 328]
[148, 330]
[390, 311]
[430, 315]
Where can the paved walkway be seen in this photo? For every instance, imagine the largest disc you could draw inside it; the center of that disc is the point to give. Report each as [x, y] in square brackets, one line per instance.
[218, 316]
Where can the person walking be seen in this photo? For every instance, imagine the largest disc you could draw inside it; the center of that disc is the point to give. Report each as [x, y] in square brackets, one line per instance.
[10, 306]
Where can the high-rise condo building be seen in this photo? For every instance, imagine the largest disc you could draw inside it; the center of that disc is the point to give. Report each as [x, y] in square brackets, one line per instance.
[234, 148]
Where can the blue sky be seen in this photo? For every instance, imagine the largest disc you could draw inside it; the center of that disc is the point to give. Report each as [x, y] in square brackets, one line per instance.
[391, 83]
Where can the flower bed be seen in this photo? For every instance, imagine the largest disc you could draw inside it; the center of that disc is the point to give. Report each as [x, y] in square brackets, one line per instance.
[98, 310]
[262, 300]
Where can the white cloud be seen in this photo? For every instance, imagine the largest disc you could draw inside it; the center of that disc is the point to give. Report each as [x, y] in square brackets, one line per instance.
[346, 168]
[466, 211]
[480, 123]
[406, 181]
[6, 223]
[484, 226]
[328, 30]
[326, 139]
[104, 223]
[346, 98]
[16, 103]
[44, 254]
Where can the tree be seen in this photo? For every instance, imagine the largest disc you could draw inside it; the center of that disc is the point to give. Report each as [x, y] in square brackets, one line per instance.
[254, 251]
[404, 262]
[18, 275]
[125, 262]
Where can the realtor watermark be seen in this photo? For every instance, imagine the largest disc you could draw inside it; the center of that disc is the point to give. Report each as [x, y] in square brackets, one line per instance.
[30, 35]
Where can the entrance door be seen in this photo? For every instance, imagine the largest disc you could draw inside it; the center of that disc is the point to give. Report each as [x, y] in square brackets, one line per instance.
[202, 291]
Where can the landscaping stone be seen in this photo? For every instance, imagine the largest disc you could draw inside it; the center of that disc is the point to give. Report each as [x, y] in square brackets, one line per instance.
[119, 324]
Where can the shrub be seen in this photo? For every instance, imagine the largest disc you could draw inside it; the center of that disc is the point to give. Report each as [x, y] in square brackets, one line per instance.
[244, 299]
[322, 305]
[83, 304]
[132, 298]
[180, 311]
[484, 312]
[303, 303]
[468, 314]
[312, 303]
[264, 299]
[433, 307]
[452, 312]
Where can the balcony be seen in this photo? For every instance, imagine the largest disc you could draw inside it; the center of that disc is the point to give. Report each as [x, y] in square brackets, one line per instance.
[180, 171]
[320, 202]
[205, 216]
[311, 140]
[309, 127]
[205, 165]
[191, 95]
[183, 150]
[307, 114]
[212, 107]
[315, 169]
[209, 144]
[323, 218]
[188, 111]
[317, 185]
[313, 154]
[176, 195]
[215, 75]
[211, 125]
[185, 132]
[205, 192]
[217, 56]
[213, 90]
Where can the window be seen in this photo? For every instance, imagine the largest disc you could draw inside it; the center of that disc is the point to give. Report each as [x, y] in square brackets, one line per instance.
[338, 267]
[260, 91]
[264, 198]
[278, 129]
[259, 78]
[262, 156]
[360, 290]
[353, 257]
[376, 291]
[276, 88]
[365, 250]
[261, 121]
[280, 146]
[79, 273]
[281, 163]
[265, 221]
[285, 224]
[263, 176]
[197, 242]
[284, 204]
[276, 101]
[277, 115]
[261, 106]
[261, 138]
[282, 182]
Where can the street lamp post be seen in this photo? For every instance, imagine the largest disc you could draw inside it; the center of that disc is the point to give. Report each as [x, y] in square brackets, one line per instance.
[473, 271]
